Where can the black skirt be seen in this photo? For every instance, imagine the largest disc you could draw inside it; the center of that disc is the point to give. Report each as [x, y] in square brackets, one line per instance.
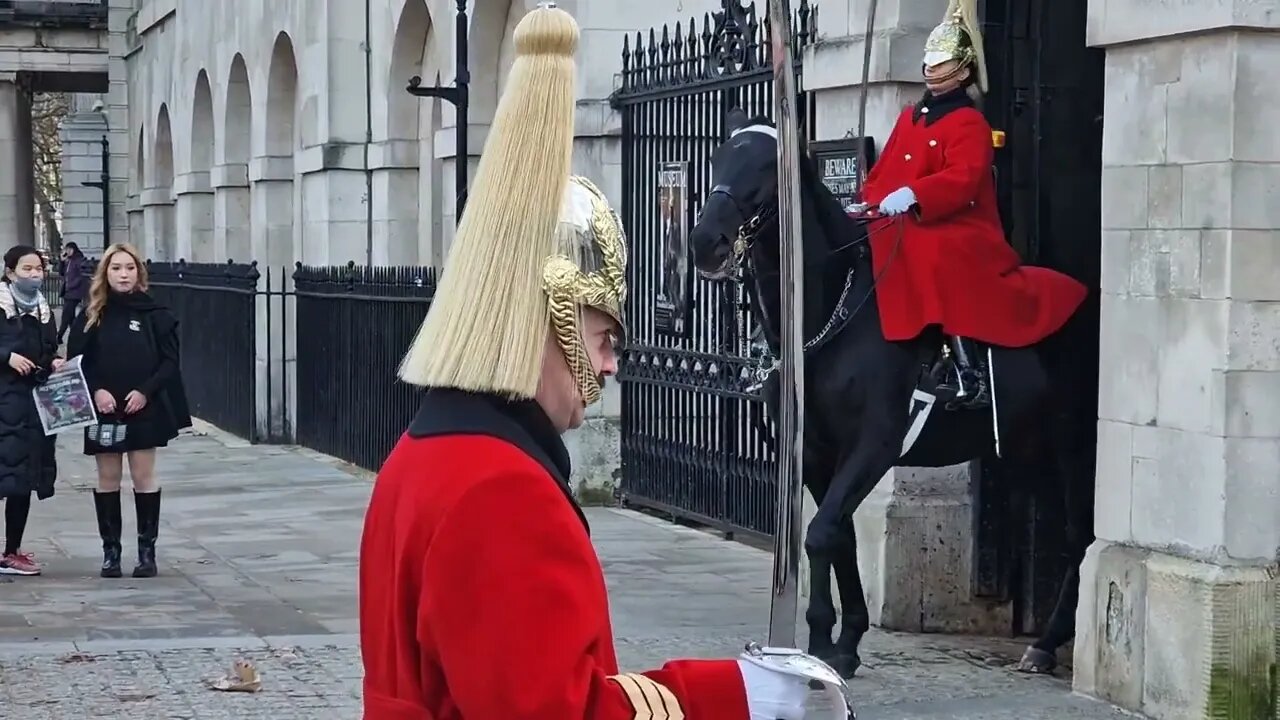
[145, 430]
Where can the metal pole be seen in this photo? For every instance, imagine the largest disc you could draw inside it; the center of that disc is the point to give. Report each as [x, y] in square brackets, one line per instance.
[784, 607]
[104, 184]
[463, 84]
[106, 192]
[460, 96]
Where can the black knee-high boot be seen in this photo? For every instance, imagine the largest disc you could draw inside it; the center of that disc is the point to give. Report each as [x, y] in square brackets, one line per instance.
[107, 507]
[148, 509]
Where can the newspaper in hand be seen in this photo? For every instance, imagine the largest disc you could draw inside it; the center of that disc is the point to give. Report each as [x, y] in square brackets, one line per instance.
[64, 401]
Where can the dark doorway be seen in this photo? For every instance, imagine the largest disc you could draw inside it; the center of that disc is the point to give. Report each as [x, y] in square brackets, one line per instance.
[1046, 94]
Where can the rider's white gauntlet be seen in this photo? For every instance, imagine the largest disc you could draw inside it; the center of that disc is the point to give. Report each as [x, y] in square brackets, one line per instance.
[778, 680]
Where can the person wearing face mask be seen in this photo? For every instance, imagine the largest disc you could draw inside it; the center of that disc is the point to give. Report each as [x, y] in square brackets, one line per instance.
[130, 349]
[481, 596]
[29, 349]
[948, 264]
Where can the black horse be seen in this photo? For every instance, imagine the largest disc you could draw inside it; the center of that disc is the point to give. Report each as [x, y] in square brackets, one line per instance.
[861, 402]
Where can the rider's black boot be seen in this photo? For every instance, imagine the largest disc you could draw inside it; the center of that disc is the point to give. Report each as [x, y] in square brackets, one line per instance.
[107, 507]
[967, 383]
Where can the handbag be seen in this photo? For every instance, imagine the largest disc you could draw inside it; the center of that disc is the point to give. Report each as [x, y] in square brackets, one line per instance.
[109, 432]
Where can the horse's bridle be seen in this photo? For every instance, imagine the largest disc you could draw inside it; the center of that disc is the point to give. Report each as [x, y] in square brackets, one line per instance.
[750, 227]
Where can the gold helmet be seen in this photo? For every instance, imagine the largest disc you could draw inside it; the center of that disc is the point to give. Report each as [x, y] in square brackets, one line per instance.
[959, 37]
[535, 246]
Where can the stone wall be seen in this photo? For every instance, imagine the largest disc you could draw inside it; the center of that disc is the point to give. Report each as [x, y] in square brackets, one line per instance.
[82, 132]
[1178, 617]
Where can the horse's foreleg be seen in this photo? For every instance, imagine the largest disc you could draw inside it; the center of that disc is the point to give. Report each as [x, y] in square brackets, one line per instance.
[854, 618]
[831, 536]
[820, 616]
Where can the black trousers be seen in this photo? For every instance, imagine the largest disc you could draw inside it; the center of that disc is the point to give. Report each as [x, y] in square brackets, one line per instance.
[16, 511]
[69, 306]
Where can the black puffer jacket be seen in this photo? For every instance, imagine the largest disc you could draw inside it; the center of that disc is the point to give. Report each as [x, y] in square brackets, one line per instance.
[27, 461]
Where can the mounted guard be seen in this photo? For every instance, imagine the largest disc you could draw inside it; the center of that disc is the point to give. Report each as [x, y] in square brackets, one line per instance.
[948, 264]
[481, 596]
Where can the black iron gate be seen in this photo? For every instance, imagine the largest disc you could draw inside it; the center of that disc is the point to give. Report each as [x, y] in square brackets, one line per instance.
[694, 438]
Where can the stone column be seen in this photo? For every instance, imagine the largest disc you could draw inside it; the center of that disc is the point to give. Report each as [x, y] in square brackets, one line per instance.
[137, 223]
[231, 213]
[271, 230]
[1179, 598]
[335, 222]
[17, 203]
[195, 217]
[117, 109]
[915, 530]
[81, 135]
[158, 240]
[396, 204]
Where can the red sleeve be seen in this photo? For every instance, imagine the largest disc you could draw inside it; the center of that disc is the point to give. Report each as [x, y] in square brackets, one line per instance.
[513, 600]
[967, 159]
[871, 191]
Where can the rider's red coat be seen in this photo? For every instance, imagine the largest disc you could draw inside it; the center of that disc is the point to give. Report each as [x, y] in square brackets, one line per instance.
[481, 596]
[946, 262]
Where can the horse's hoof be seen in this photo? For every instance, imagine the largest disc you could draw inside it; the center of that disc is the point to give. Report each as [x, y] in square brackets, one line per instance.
[1037, 662]
[846, 665]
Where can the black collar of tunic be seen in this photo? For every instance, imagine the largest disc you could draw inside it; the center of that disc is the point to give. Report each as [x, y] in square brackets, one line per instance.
[935, 107]
[523, 423]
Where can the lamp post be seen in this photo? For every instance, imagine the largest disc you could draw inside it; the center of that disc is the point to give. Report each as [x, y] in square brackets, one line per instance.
[104, 184]
[459, 96]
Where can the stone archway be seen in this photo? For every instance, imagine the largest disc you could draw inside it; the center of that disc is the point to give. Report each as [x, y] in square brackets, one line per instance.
[157, 198]
[137, 185]
[406, 173]
[193, 191]
[232, 201]
[275, 241]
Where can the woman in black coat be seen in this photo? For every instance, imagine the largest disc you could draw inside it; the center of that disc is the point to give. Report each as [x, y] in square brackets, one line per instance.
[29, 352]
[131, 357]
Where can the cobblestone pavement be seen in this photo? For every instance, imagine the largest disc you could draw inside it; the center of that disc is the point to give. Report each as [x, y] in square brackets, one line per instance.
[257, 554]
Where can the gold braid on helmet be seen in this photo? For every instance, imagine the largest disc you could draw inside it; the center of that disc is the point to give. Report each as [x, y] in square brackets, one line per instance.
[569, 288]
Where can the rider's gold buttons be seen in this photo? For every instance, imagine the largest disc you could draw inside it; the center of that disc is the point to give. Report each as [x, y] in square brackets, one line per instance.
[908, 157]
[933, 143]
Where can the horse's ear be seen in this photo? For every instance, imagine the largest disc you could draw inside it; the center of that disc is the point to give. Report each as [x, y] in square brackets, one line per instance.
[735, 120]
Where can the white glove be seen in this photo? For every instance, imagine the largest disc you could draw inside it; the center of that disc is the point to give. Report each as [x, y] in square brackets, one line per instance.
[773, 695]
[898, 201]
[778, 680]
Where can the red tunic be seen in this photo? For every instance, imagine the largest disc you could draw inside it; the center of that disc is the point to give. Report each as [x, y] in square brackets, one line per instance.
[948, 262]
[481, 596]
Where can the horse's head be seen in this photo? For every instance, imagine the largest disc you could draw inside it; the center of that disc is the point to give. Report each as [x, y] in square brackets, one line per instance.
[743, 200]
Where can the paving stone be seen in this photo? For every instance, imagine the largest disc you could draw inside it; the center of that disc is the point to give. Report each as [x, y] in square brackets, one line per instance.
[257, 558]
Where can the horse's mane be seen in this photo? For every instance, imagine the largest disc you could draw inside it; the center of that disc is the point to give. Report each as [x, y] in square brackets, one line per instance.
[828, 206]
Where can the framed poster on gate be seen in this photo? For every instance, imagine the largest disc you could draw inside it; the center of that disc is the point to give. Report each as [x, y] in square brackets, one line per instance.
[675, 283]
[843, 164]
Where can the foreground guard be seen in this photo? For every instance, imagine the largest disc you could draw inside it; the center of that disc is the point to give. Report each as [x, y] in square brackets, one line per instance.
[950, 265]
[481, 596]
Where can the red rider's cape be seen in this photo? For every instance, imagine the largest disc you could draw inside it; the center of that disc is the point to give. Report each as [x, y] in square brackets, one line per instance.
[481, 597]
[946, 262]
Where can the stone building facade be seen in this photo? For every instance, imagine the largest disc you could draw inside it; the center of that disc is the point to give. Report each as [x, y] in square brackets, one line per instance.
[281, 131]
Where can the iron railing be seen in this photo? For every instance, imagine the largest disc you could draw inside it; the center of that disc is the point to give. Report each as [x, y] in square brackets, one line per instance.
[696, 443]
[217, 326]
[354, 324]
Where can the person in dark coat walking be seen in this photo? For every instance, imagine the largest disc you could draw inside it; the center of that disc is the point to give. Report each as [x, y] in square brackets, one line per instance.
[29, 351]
[73, 286]
[129, 344]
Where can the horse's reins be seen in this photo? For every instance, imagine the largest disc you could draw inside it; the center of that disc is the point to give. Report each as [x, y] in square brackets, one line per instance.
[750, 229]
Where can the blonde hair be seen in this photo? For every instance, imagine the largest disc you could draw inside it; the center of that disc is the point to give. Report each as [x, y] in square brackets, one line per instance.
[487, 327]
[99, 288]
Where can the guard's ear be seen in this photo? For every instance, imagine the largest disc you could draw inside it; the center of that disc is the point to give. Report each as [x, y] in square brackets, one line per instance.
[735, 120]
